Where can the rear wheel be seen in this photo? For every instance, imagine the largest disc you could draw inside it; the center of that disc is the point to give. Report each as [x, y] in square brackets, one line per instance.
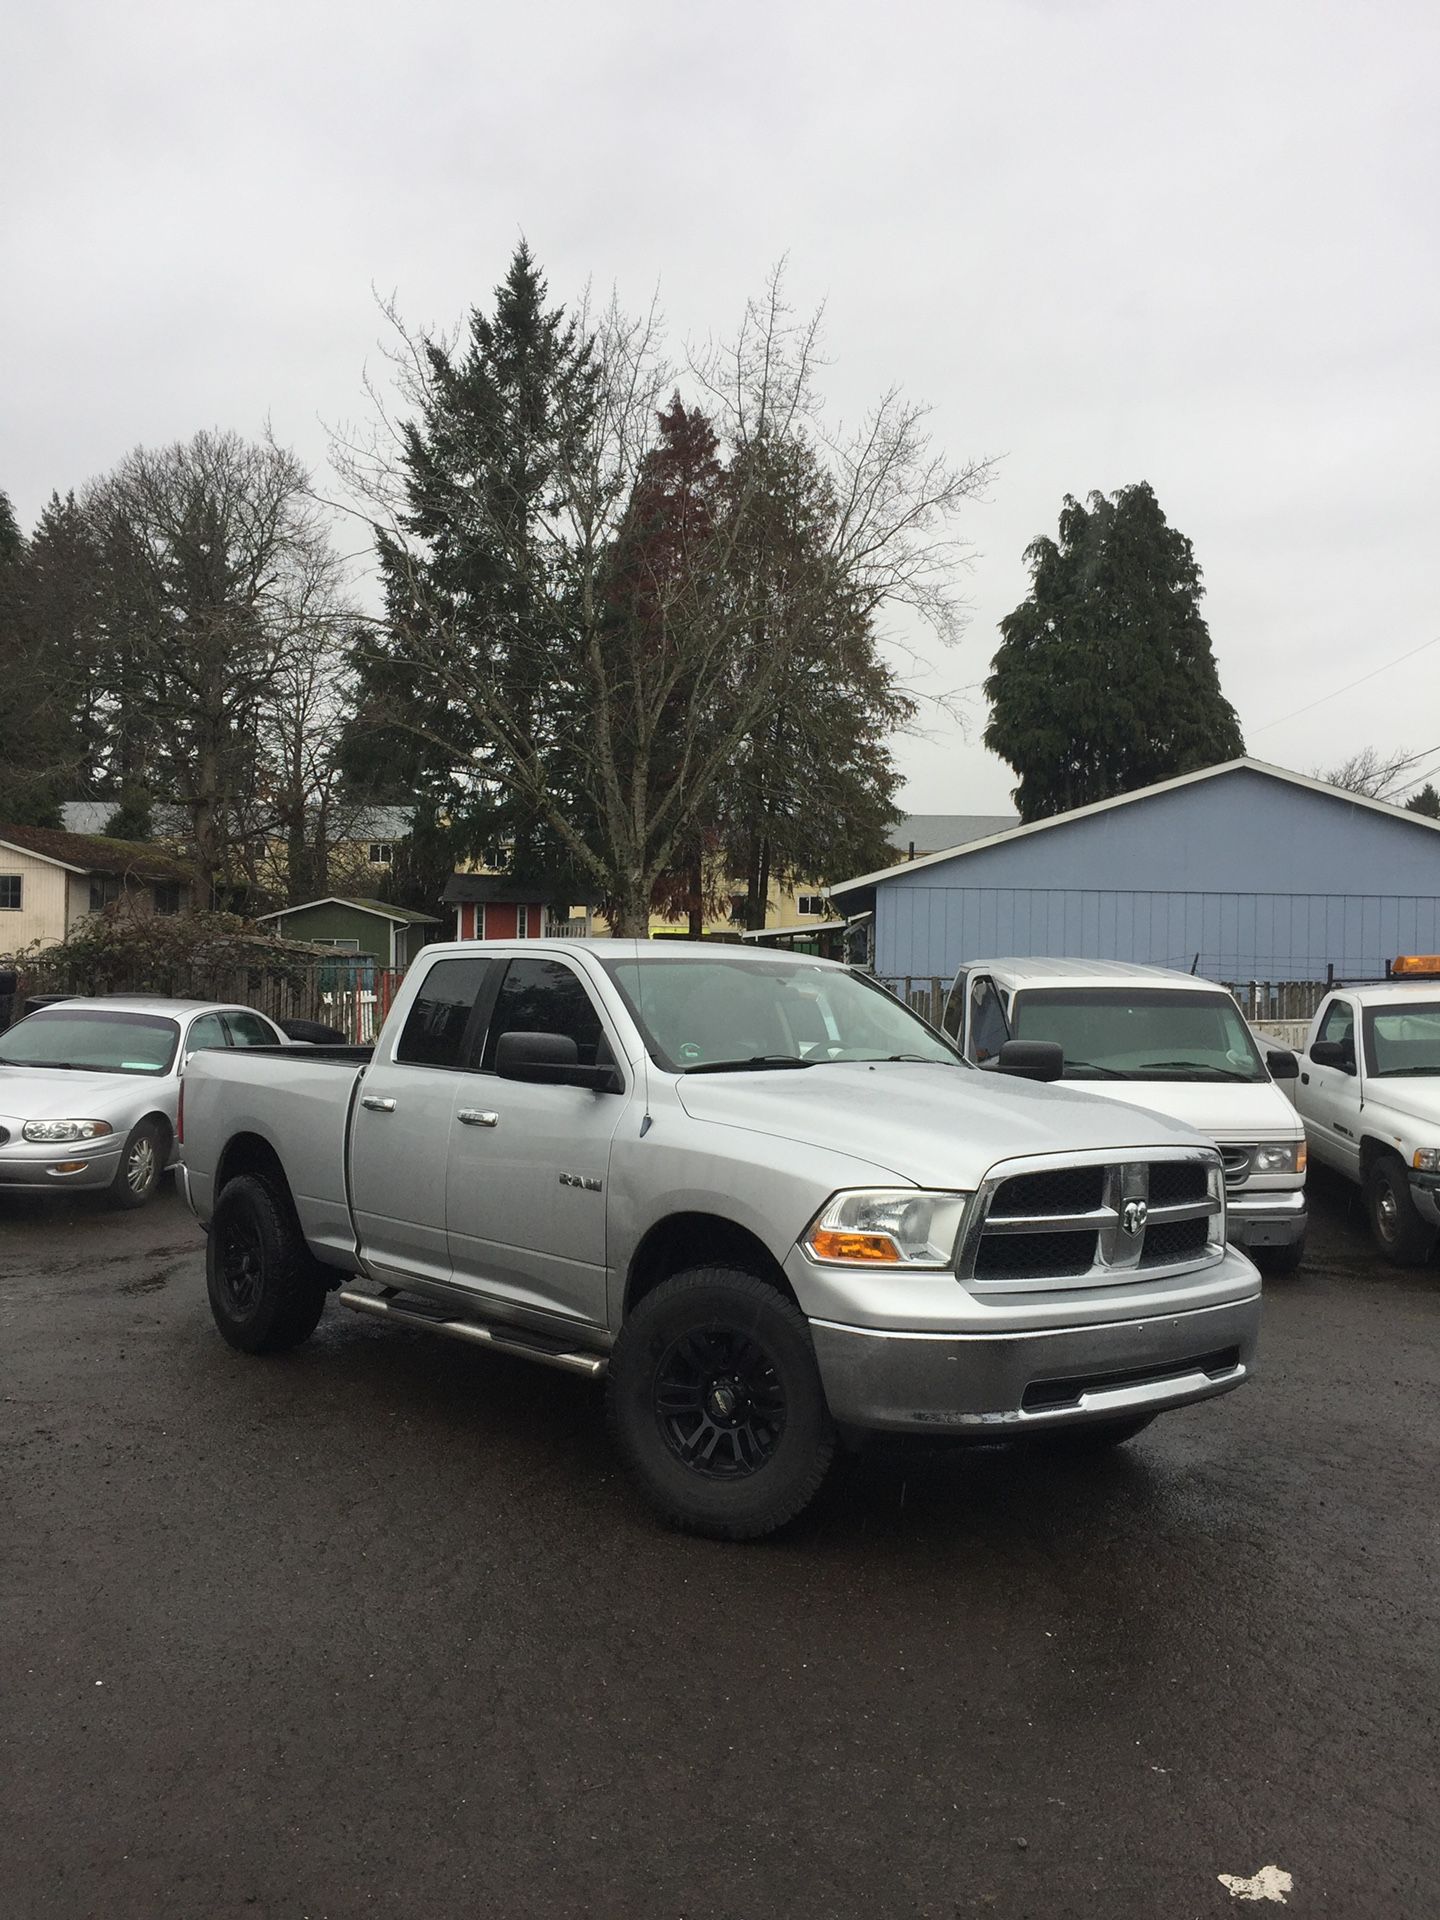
[142, 1161]
[716, 1405]
[266, 1290]
[1398, 1231]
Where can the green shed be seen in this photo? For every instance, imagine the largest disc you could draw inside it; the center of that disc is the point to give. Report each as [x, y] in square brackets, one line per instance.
[390, 936]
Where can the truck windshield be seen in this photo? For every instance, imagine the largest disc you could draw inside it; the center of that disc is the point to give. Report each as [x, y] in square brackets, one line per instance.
[1144, 1033]
[1401, 1040]
[732, 1015]
[91, 1041]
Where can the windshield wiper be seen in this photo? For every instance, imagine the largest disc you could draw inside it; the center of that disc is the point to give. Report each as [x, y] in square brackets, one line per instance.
[1092, 1066]
[69, 1066]
[1406, 1073]
[1191, 1066]
[759, 1061]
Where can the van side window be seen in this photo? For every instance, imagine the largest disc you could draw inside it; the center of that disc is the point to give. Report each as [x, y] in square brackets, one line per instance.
[954, 1018]
[988, 1028]
[435, 1025]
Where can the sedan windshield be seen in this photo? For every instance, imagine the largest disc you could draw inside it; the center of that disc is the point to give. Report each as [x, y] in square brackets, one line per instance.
[91, 1041]
[1145, 1033]
[1403, 1040]
[724, 1015]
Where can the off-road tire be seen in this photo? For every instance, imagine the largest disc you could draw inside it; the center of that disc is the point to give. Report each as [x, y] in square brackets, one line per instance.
[1395, 1226]
[1274, 1262]
[142, 1161]
[266, 1289]
[709, 1333]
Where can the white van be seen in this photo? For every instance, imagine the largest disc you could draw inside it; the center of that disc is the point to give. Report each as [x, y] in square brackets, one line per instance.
[1166, 1041]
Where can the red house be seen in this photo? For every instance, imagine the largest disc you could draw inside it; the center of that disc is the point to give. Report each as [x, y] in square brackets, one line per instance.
[490, 906]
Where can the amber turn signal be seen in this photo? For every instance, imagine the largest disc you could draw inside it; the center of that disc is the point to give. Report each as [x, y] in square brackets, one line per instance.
[828, 1244]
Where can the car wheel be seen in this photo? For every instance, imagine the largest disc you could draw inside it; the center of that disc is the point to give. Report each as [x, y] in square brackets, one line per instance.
[142, 1161]
[716, 1405]
[1274, 1261]
[1398, 1231]
[1098, 1437]
[267, 1291]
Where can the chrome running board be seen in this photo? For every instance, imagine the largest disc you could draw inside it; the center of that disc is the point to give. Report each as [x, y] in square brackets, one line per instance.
[511, 1340]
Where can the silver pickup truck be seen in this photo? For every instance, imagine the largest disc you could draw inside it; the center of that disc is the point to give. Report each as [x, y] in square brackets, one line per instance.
[771, 1205]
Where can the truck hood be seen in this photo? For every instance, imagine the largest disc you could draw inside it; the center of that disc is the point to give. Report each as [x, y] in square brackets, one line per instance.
[1219, 1109]
[935, 1125]
[1416, 1097]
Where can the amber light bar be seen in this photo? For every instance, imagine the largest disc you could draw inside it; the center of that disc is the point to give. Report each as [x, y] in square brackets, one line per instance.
[1416, 963]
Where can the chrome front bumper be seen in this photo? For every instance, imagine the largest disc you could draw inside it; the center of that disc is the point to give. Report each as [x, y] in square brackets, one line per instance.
[1274, 1219]
[1000, 1385]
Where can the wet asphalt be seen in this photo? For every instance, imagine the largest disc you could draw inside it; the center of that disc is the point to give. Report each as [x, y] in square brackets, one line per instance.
[377, 1628]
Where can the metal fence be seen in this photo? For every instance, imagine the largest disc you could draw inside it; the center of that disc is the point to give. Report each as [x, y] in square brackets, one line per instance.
[349, 996]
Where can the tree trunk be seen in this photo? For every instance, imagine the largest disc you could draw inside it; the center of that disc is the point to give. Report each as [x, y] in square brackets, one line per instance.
[697, 898]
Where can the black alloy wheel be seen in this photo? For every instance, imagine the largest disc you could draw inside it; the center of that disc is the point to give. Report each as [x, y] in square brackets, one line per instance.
[716, 1404]
[239, 1259]
[266, 1289]
[720, 1401]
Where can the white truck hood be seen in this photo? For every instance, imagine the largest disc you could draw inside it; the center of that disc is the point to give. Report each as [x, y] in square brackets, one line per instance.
[935, 1125]
[1415, 1096]
[1218, 1109]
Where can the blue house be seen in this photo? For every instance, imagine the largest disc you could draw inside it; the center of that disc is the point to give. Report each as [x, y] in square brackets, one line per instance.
[1262, 873]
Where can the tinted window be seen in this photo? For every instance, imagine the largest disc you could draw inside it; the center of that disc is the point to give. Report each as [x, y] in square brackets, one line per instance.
[205, 1032]
[544, 996]
[435, 1026]
[988, 1031]
[249, 1030]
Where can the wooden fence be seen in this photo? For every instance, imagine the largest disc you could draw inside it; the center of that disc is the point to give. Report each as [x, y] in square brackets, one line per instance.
[354, 998]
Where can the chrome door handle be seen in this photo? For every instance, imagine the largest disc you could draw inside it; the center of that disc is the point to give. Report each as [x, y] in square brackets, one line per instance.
[474, 1117]
[376, 1104]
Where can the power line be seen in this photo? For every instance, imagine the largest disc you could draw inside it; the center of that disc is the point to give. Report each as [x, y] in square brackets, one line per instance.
[1335, 692]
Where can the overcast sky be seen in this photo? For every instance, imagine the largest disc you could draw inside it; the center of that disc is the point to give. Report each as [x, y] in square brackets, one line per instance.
[1192, 244]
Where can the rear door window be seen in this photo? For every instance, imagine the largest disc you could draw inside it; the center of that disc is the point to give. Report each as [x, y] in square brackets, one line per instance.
[436, 1025]
[249, 1030]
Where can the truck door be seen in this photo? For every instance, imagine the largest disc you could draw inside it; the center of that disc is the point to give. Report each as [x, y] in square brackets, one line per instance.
[529, 1164]
[1329, 1095]
[400, 1133]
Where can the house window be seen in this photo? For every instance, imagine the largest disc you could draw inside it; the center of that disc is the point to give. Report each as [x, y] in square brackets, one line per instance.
[340, 946]
[380, 853]
[105, 890]
[12, 889]
[811, 903]
[167, 897]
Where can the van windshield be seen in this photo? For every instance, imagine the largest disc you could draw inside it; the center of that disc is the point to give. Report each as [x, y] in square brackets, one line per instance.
[1140, 1033]
[723, 1015]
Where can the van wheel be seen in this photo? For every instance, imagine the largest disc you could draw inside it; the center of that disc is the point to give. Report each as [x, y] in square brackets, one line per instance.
[266, 1290]
[142, 1161]
[715, 1403]
[1398, 1231]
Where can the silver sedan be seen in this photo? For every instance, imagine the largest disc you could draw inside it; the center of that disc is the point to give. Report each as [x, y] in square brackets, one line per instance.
[89, 1089]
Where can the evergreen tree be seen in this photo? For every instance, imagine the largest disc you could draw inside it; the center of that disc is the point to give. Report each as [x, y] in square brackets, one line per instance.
[1426, 801]
[42, 658]
[1104, 680]
[484, 466]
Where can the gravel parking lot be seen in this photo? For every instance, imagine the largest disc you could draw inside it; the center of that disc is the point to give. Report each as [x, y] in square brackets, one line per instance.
[378, 1628]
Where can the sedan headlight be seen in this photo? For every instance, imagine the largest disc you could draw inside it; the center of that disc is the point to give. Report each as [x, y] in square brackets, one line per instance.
[57, 1133]
[1286, 1158]
[879, 1227]
[1426, 1160]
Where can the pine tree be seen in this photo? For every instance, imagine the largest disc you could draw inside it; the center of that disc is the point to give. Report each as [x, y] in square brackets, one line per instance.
[1426, 801]
[1104, 680]
[43, 661]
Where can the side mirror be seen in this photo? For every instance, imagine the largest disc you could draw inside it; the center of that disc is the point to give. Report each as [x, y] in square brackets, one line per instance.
[551, 1060]
[1282, 1063]
[1031, 1059]
[1334, 1053]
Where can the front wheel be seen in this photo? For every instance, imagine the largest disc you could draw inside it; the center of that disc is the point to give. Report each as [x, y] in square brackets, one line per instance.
[1395, 1224]
[715, 1403]
[266, 1290]
[142, 1161]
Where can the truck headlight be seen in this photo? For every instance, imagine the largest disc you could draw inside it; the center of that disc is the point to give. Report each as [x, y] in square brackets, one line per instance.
[55, 1133]
[1426, 1160]
[878, 1227]
[1289, 1158]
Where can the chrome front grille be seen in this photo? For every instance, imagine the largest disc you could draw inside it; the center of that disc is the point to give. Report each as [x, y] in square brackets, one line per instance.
[1237, 1162]
[1069, 1221]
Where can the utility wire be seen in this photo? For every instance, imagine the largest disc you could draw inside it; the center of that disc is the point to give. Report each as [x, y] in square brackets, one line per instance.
[1335, 692]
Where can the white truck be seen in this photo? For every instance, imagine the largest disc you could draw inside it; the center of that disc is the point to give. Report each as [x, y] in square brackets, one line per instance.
[770, 1204]
[1369, 1097]
[1164, 1040]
